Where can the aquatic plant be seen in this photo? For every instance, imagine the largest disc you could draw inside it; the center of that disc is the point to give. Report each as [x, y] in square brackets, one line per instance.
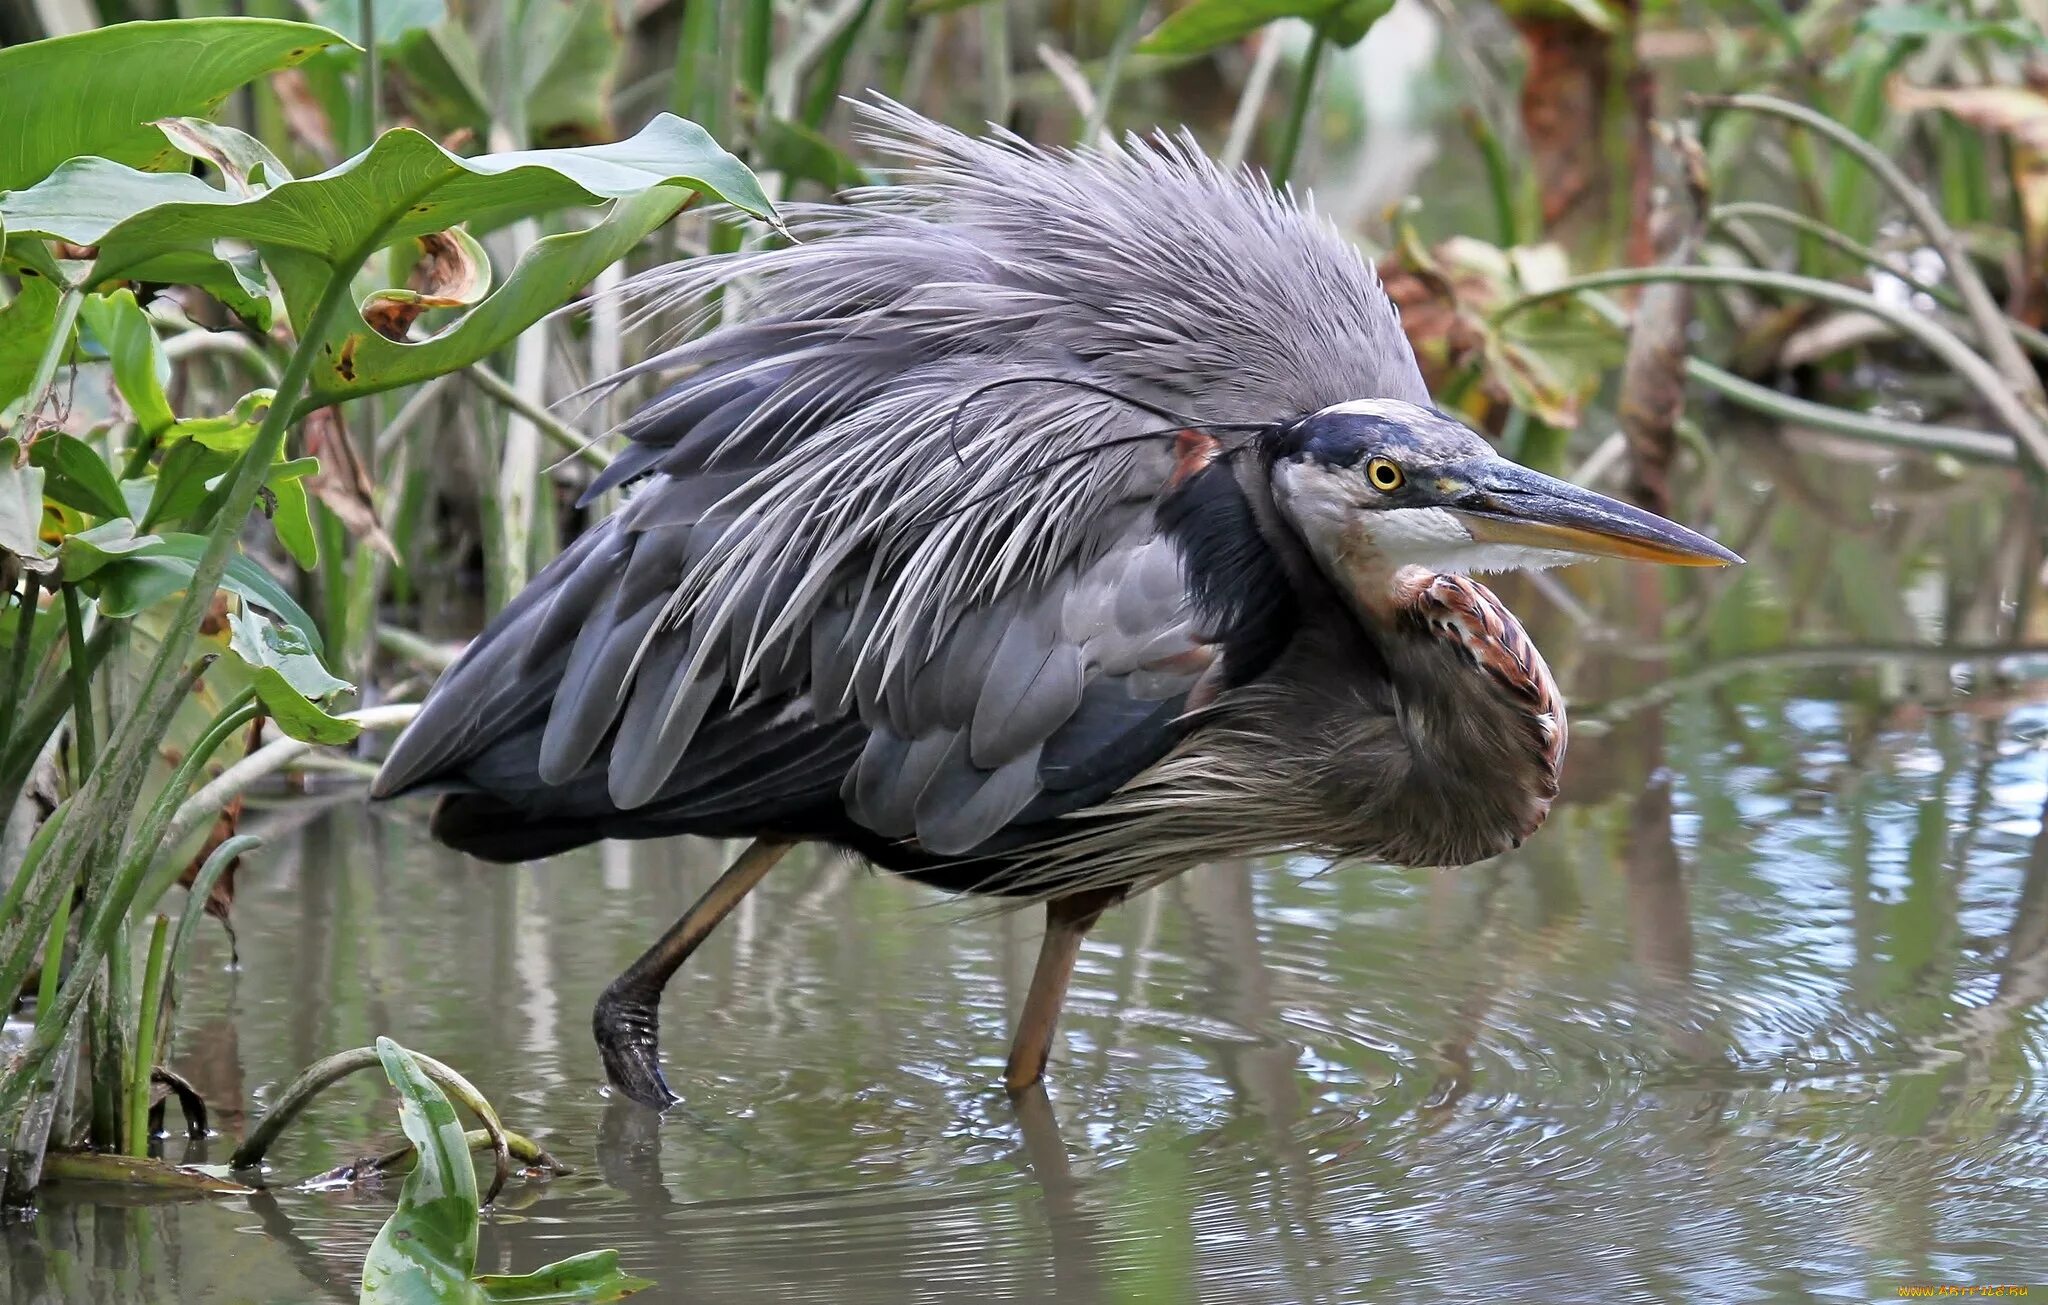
[133, 604]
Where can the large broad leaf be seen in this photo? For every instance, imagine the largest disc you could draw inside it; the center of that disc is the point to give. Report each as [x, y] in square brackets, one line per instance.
[403, 187]
[96, 92]
[290, 679]
[1206, 24]
[427, 1249]
[128, 572]
[86, 198]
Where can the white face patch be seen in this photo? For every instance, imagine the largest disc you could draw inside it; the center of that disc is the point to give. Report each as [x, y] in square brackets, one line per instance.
[1436, 540]
[1331, 507]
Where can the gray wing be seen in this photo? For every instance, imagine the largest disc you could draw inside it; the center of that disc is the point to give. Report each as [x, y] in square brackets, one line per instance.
[585, 711]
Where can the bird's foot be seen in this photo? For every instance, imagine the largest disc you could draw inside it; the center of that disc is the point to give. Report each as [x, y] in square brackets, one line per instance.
[627, 1025]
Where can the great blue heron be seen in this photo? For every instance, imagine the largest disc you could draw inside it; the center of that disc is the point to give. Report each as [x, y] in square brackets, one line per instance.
[1050, 522]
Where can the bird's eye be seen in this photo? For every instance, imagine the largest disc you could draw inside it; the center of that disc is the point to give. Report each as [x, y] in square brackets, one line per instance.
[1384, 475]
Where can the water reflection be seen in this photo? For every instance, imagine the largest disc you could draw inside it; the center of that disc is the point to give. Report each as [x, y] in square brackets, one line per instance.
[1759, 1014]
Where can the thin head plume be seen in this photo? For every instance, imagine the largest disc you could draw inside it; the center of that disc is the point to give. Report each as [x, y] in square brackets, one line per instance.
[1160, 411]
[1072, 455]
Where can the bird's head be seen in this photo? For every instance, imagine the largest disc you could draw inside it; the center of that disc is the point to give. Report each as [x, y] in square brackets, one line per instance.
[1376, 486]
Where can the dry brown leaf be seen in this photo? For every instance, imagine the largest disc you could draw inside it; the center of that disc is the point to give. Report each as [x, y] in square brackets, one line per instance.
[343, 483]
[452, 271]
[304, 117]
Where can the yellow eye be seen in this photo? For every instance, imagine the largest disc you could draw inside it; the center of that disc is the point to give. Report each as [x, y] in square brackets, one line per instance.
[1384, 475]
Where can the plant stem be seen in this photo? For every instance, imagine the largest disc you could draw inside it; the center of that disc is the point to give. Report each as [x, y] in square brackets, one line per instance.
[53, 954]
[17, 657]
[576, 442]
[1113, 71]
[1249, 101]
[108, 794]
[1939, 340]
[268, 760]
[81, 682]
[1304, 91]
[2034, 341]
[1998, 340]
[373, 71]
[322, 1074]
[145, 1038]
[46, 365]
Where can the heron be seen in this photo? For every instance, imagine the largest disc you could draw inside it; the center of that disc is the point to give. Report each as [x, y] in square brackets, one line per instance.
[1037, 524]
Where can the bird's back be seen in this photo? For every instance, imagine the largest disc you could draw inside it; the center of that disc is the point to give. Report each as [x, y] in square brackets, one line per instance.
[862, 597]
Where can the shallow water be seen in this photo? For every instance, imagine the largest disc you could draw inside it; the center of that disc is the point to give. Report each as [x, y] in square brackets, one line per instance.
[1758, 1015]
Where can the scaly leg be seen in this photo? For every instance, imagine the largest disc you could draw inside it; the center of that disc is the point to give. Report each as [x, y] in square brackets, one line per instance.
[1067, 921]
[628, 1015]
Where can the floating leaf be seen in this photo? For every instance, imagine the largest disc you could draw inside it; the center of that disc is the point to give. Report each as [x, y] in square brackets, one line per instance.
[594, 1276]
[96, 92]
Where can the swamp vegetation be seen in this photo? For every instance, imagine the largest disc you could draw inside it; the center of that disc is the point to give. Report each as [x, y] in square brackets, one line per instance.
[293, 330]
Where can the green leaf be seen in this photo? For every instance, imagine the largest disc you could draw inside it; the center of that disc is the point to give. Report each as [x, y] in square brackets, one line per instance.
[549, 274]
[86, 198]
[21, 504]
[246, 162]
[394, 18]
[97, 91]
[292, 518]
[1908, 22]
[573, 61]
[188, 467]
[84, 553]
[792, 148]
[77, 476]
[24, 331]
[1206, 24]
[140, 368]
[403, 187]
[290, 680]
[592, 1276]
[144, 569]
[427, 1249]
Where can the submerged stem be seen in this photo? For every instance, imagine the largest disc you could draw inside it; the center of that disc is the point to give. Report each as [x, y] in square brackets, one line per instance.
[323, 1074]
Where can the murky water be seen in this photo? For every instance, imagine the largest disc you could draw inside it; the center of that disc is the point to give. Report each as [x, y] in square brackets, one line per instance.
[1757, 1016]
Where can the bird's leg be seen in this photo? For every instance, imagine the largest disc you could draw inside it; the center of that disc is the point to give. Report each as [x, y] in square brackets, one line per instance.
[628, 1015]
[1067, 921]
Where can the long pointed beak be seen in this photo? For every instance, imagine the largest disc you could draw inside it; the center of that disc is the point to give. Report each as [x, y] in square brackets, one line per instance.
[1510, 504]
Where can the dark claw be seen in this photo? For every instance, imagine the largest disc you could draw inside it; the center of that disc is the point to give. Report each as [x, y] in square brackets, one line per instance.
[627, 1026]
